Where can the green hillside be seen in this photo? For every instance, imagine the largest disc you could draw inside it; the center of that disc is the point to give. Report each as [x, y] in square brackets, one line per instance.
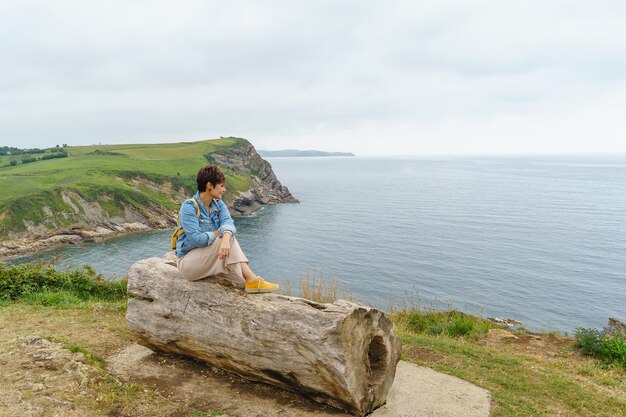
[31, 192]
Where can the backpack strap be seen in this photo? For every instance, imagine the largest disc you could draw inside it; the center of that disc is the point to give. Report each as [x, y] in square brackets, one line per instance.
[179, 230]
[195, 203]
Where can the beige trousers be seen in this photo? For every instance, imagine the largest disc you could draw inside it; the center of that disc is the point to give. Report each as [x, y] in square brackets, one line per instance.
[203, 262]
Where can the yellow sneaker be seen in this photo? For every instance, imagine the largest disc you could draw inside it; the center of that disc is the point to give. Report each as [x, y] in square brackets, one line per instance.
[260, 285]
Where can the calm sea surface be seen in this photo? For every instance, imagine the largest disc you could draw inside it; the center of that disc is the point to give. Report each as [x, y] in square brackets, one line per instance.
[540, 240]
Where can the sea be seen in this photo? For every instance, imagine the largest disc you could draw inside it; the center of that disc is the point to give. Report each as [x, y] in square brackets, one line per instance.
[541, 240]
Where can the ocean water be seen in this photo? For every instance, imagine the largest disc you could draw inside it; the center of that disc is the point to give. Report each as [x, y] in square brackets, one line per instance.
[541, 240]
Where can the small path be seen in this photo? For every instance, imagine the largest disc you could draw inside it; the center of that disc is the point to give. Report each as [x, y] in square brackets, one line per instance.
[417, 391]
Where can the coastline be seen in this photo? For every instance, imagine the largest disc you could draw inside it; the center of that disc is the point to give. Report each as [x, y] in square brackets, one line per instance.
[77, 235]
[135, 199]
[85, 234]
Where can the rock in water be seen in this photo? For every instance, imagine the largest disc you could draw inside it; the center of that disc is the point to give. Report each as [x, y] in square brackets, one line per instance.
[616, 327]
[342, 354]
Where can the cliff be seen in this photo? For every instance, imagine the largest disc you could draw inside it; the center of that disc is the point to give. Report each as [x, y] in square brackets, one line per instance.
[264, 189]
[103, 191]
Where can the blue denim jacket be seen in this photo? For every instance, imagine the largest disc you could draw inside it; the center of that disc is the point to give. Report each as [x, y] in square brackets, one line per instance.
[199, 230]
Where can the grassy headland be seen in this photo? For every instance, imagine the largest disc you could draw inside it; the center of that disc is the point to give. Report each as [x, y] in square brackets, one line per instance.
[114, 175]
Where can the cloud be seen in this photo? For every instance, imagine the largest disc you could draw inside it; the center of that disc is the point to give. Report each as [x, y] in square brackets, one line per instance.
[425, 77]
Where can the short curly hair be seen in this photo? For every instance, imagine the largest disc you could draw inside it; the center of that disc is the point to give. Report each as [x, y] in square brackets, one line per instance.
[209, 173]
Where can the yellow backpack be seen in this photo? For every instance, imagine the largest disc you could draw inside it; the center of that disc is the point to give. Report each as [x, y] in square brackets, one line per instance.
[179, 230]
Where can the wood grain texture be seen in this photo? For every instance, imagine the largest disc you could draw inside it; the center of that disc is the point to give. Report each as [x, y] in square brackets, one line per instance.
[342, 354]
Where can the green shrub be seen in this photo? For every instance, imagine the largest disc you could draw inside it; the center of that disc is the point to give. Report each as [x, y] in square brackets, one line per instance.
[451, 323]
[186, 182]
[58, 154]
[13, 162]
[120, 193]
[101, 152]
[56, 298]
[31, 210]
[462, 326]
[42, 284]
[608, 348]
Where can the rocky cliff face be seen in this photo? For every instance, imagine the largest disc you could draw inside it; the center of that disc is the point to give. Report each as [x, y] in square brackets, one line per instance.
[150, 205]
[265, 188]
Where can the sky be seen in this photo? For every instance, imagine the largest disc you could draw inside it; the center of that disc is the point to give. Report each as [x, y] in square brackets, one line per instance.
[369, 77]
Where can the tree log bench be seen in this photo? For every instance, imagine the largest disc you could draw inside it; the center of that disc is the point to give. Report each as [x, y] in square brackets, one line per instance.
[342, 354]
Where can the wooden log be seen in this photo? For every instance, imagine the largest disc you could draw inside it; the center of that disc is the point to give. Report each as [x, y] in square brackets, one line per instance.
[342, 354]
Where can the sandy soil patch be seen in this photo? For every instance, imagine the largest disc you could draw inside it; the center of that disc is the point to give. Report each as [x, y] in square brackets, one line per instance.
[417, 391]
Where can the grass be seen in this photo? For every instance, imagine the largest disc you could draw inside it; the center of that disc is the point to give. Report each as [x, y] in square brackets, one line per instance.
[521, 384]
[99, 172]
[451, 323]
[204, 414]
[528, 374]
[315, 287]
[44, 285]
[85, 314]
[609, 347]
[90, 358]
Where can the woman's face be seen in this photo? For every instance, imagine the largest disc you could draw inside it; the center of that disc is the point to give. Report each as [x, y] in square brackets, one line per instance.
[217, 191]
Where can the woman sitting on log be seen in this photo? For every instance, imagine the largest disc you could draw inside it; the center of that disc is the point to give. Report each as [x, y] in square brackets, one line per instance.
[206, 243]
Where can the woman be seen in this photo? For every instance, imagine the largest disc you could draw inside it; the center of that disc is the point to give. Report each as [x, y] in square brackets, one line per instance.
[207, 245]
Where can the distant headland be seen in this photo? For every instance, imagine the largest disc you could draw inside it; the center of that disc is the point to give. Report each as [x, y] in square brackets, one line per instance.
[295, 152]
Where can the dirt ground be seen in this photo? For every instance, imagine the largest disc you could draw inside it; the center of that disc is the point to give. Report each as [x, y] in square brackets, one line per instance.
[42, 377]
[417, 391]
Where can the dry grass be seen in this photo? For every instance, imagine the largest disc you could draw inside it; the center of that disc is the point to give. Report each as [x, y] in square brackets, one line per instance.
[527, 374]
[315, 287]
[97, 331]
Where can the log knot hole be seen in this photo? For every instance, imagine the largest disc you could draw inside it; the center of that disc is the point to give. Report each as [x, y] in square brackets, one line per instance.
[377, 362]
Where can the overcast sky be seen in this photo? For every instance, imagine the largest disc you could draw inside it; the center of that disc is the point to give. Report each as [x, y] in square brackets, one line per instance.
[369, 77]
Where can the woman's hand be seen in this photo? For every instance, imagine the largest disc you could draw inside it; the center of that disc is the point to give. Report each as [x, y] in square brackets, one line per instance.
[224, 246]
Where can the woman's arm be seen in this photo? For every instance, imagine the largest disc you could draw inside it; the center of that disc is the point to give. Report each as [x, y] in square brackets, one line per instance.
[227, 227]
[190, 222]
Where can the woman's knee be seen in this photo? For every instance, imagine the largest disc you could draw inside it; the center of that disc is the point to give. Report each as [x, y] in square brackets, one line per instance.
[190, 272]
